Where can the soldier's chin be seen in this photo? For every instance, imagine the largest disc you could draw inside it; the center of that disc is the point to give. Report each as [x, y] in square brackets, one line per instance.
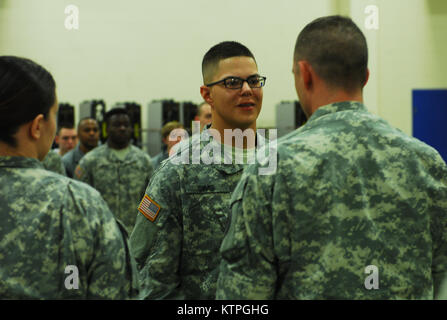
[91, 145]
[123, 142]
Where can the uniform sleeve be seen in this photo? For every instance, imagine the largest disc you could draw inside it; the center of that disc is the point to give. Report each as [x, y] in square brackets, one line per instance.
[53, 162]
[438, 199]
[82, 173]
[61, 168]
[157, 245]
[248, 267]
[442, 292]
[111, 270]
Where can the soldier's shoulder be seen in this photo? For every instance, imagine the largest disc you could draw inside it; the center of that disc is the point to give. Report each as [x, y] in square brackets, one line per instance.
[42, 175]
[167, 168]
[51, 159]
[82, 191]
[136, 149]
[408, 144]
[85, 207]
[99, 150]
[60, 182]
[422, 148]
[52, 155]
[139, 153]
[185, 145]
[97, 153]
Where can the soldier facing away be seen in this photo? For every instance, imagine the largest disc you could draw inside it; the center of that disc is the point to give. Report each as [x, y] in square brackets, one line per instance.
[58, 238]
[356, 208]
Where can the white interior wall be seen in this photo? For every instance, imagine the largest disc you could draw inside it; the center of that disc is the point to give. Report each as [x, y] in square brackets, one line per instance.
[141, 50]
[406, 52]
[412, 55]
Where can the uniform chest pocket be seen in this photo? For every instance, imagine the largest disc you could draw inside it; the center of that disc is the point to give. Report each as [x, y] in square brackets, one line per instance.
[205, 216]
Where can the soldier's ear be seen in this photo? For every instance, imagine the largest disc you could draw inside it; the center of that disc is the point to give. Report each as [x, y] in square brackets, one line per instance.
[306, 73]
[205, 92]
[36, 127]
[367, 77]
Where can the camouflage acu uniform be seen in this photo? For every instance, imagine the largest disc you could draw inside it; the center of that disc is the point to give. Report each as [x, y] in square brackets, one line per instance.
[443, 290]
[179, 257]
[53, 162]
[350, 191]
[121, 183]
[71, 160]
[49, 223]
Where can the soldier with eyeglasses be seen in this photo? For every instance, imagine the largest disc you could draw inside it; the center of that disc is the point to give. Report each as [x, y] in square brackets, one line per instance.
[184, 213]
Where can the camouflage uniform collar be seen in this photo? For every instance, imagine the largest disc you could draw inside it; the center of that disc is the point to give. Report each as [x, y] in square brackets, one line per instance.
[114, 158]
[229, 169]
[20, 162]
[260, 139]
[338, 107]
[202, 140]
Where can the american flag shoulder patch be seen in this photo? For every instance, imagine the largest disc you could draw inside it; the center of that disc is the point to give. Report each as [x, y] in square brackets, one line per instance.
[149, 208]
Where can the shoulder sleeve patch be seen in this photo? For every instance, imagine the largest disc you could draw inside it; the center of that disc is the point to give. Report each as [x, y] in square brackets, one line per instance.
[79, 172]
[149, 208]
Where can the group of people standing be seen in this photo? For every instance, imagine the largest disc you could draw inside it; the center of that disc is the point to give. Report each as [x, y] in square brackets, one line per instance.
[348, 192]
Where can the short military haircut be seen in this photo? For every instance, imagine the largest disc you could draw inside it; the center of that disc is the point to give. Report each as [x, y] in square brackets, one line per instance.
[113, 112]
[64, 125]
[221, 51]
[84, 119]
[336, 48]
[168, 127]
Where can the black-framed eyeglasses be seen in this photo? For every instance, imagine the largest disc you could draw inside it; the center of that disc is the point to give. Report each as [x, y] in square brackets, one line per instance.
[237, 83]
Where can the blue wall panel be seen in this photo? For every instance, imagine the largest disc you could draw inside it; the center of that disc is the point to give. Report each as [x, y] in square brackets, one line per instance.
[430, 118]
